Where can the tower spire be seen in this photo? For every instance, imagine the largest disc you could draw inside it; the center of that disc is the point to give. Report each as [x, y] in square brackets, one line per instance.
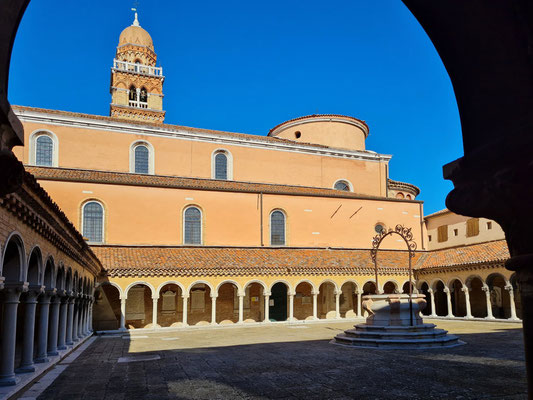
[136, 20]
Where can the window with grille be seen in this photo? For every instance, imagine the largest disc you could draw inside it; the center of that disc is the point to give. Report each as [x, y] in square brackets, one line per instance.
[277, 228]
[192, 226]
[142, 155]
[44, 151]
[93, 222]
[221, 166]
[342, 185]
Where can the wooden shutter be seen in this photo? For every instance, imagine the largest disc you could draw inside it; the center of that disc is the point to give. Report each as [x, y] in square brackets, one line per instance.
[443, 233]
[472, 227]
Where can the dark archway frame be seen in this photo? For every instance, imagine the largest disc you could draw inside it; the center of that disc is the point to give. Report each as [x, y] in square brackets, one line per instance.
[407, 235]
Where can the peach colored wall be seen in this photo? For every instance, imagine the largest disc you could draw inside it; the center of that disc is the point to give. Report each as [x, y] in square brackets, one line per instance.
[455, 221]
[110, 151]
[333, 134]
[147, 215]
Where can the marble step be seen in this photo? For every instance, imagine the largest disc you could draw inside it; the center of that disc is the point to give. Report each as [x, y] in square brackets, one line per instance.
[442, 341]
[411, 335]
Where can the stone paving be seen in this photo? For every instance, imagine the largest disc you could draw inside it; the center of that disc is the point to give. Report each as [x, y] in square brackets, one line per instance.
[293, 362]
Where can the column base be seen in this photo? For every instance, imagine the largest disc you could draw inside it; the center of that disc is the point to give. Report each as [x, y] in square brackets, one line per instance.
[53, 353]
[490, 318]
[8, 381]
[514, 319]
[25, 368]
[62, 347]
[41, 360]
[450, 316]
[69, 343]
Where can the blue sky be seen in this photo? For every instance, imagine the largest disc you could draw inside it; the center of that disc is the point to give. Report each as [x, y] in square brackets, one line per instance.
[246, 66]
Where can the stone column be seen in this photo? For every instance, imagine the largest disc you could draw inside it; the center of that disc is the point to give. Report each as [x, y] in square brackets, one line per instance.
[338, 304]
[81, 322]
[291, 307]
[122, 314]
[70, 319]
[359, 295]
[315, 307]
[53, 325]
[432, 299]
[466, 291]
[510, 289]
[75, 336]
[26, 362]
[213, 310]
[486, 289]
[185, 310]
[42, 333]
[267, 307]
[62, 334]
[9, 334]
[91, 302]
[448, 301]
[154, 312]
[241, 308]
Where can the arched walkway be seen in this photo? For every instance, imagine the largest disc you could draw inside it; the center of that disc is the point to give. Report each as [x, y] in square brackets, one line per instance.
[424, 289]
[303, 301]
[139, 307]
[199, 305]
[254, 303]
[458, 298]
[390, 287]
[326, 301]
[478, 301]
[368, 288]
[499, 296]
[441, 306]
[106, 308]
[278, 302]
[170, 306]
[227, 304]
[348, 300]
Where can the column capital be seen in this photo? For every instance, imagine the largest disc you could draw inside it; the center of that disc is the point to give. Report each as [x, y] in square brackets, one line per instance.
[485, 288]
[430, 291]
[465, 289]
[50, 292]
[509, 288]
[267, 294]
[155, 297]
[315, 292]
[185, 296]
[446, 289]
[213, 296]
[337, 292]
[291, 294]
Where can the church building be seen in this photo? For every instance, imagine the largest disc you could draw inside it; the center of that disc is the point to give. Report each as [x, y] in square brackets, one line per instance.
[126, 222]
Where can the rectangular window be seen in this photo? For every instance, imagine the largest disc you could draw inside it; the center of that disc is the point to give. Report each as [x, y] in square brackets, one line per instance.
[456, 232]
[442, 233]
[489, 225]
[472, 227]
[429, 238]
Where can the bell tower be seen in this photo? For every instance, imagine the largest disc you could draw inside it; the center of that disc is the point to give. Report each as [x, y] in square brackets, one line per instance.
[136, 82]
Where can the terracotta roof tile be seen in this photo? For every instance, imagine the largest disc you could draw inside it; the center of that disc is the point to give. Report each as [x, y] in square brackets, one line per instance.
[244, 261]
[318, 115]
[481, 253]
[123, 178]
[19, 110]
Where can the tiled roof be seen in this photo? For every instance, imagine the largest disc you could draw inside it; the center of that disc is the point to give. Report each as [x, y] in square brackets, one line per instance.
[124, 178]
[19, 111]
[318, 116]
[481, 253]
[397, 185]
[245, 261]
[437, 213]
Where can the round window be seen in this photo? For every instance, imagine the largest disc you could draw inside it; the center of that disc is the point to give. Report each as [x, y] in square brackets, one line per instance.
[379, 228]
[298, 134]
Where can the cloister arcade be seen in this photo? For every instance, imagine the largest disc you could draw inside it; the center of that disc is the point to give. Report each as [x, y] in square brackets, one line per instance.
[495, 296]
[142, 304]
[45, 306]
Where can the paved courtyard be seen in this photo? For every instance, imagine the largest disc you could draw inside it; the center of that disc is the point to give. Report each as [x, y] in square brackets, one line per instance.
[293, 362]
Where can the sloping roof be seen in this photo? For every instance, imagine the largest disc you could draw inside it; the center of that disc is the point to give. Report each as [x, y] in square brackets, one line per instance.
[397, 185]
[481, 253]
[126, 178]
[319, 115]
[19, 111]
[437, 213]
[244, 261]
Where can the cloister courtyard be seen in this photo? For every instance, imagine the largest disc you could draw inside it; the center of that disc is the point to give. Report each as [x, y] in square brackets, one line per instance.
[287, 361]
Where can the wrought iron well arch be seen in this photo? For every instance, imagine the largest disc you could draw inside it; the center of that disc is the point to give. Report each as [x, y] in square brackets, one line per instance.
[407, 235]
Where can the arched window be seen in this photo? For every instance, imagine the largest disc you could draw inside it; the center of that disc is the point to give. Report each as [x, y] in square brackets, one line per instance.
[44, 151]
[133, 93]
[141, 154]
[192, 226]
[143, 96]
[93, 222]
[277, 228]
[221, 166]
[342, 185]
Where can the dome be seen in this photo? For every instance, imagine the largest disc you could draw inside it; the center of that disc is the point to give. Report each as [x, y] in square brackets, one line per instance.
[134, 34]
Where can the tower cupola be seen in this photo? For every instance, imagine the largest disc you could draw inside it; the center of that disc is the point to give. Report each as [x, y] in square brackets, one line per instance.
[136, 81]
